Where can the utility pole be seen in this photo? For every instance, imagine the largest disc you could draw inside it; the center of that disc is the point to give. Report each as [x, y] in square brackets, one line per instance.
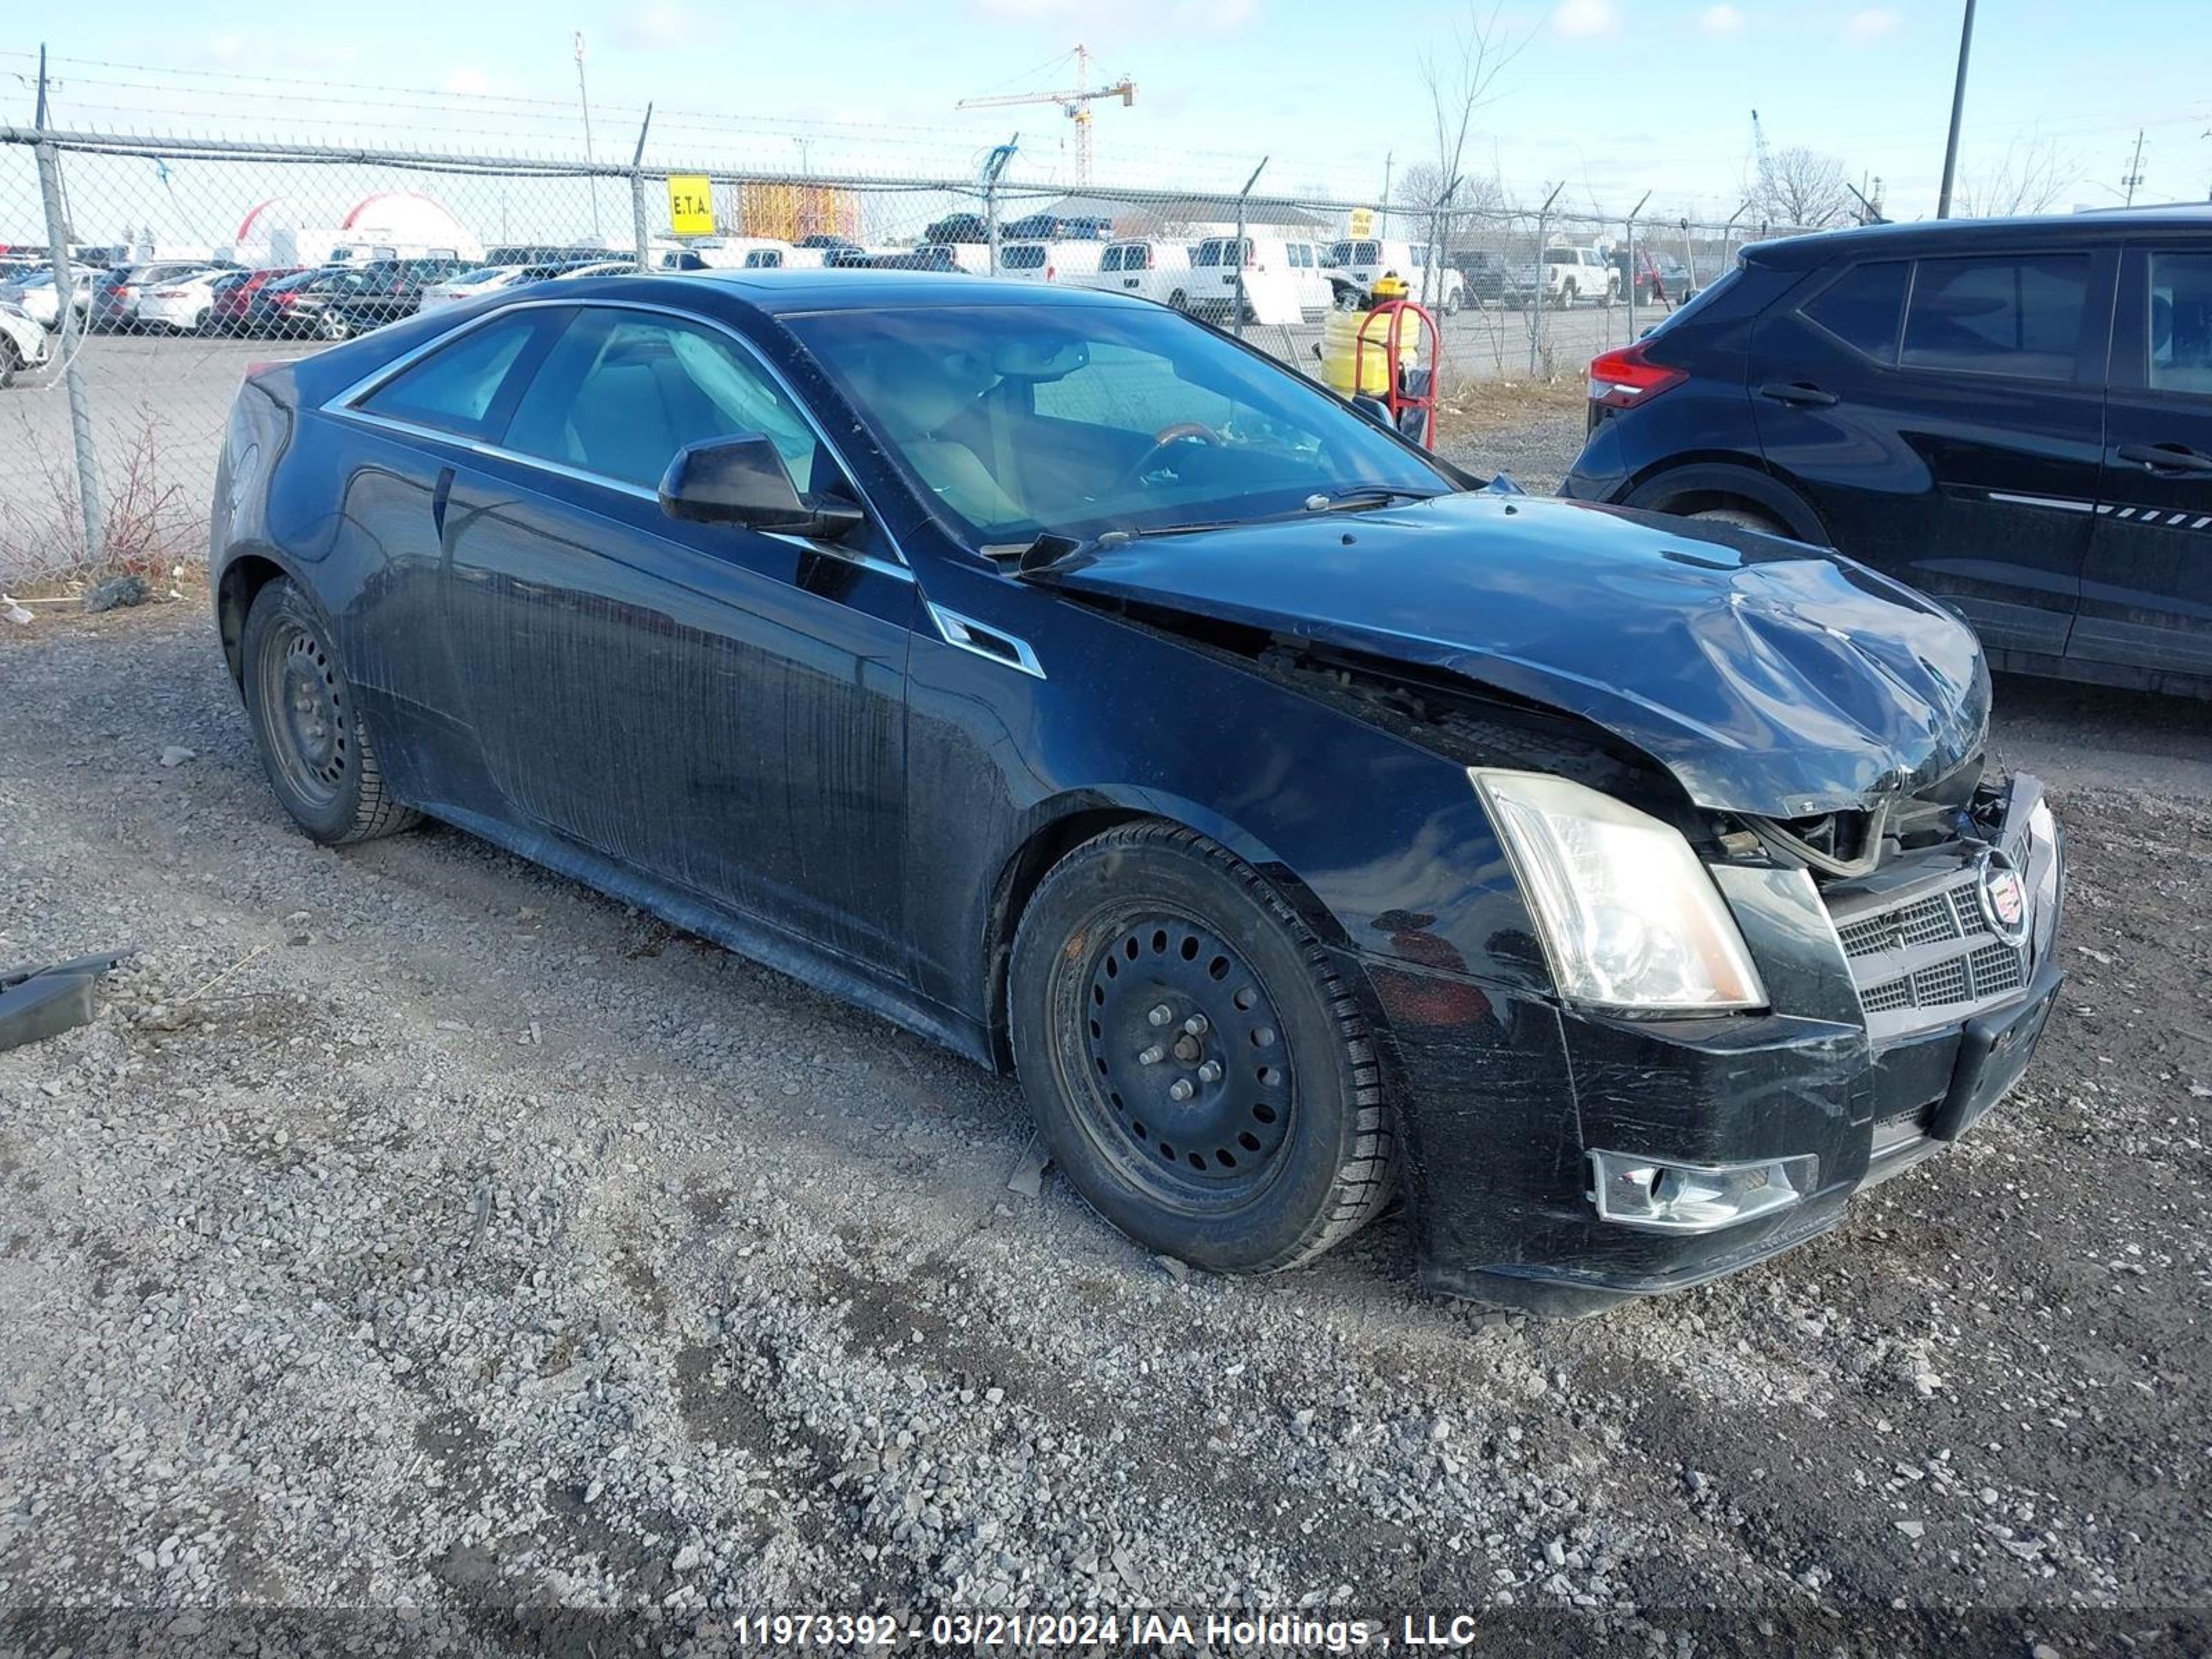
[584, 97]
[2135, 173]
[1958, 109]
[1389, 156]
[40, 122]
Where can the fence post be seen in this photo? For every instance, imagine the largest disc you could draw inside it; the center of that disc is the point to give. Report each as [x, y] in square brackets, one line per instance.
[66, 341]
[1237, 252]
[1632, 212]
[637, 194]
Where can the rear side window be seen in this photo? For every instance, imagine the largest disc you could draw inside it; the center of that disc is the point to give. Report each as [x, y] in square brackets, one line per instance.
[2181, 322]
[1021, 259]
[1863, 307]
[458, 388]
[2006, 315]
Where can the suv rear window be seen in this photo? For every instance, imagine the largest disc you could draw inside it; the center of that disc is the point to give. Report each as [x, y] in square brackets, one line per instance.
[1862, 307]
[2007, 315]
[1021, 259]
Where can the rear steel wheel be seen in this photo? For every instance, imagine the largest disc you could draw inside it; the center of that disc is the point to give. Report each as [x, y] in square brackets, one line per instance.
[315, 746]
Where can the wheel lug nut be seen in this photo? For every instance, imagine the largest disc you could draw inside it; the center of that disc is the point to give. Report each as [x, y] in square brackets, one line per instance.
[1161, 1015]
[1264, 1036]
[1152, 1056]
[1210, 1073]
[1180, 1089]
[1195, 1025]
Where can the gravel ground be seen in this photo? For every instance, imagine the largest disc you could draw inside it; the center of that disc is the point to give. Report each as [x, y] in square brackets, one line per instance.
[415, 1230]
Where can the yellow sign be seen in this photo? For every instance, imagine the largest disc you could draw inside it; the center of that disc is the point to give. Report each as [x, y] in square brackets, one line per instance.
[1363, 223]
[690, 204]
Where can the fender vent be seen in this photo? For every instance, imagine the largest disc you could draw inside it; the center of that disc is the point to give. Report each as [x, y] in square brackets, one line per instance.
[966, 634]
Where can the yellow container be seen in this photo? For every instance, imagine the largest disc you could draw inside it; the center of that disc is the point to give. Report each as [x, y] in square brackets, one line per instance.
[1339, 344]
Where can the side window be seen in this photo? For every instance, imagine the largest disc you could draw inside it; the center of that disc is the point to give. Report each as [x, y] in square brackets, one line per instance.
[620, 392]
[2005, 315]
[458, 388]
[2180, 357]
[1111, 260]
[1863, 306]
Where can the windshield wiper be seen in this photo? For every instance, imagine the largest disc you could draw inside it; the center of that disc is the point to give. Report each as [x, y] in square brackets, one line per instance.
[1355, 497]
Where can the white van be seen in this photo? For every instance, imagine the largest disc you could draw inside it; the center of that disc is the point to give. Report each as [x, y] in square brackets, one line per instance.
[1284, 280]
[1050, 261]
[1145, 266]
[1355, 265]
[740, 253]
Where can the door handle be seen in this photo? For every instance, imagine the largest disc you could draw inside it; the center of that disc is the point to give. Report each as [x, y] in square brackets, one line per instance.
[2166, 457]
[1797, 394]
[439, 496]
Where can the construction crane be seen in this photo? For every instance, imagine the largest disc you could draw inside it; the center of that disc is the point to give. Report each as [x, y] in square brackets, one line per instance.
[1074, 103]
[1766, 164]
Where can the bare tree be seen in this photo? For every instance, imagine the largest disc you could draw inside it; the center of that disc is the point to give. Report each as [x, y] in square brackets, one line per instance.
[2031, 178]
[1802, 189]
[1461, 75]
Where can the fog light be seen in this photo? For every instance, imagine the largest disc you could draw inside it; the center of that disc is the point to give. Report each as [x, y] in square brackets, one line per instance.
[1697, 1198]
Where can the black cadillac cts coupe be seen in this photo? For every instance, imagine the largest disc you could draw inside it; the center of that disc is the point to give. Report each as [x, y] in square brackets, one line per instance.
[1051, 674]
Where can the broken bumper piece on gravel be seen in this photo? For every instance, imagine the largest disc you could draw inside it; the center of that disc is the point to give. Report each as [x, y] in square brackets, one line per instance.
[42, 1002]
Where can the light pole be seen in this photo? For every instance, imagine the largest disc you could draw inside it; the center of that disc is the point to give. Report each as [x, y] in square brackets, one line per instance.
[1957, 108]
[584, 97]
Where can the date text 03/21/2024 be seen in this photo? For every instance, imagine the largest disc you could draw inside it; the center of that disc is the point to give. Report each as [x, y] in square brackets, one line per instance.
[1083, 1629]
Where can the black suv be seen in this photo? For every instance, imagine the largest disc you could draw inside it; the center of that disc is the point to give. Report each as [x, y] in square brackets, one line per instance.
[2013, 414]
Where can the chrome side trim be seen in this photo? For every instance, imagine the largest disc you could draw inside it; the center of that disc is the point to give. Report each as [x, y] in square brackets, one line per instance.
[342, 405]
[966, 634]
[2062, 503]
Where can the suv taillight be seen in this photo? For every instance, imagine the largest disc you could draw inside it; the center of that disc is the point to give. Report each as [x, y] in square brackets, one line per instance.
[1625, 378]
[1151, 259]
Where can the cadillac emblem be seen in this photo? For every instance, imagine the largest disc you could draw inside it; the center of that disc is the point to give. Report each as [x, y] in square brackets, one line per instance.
[2004, 897]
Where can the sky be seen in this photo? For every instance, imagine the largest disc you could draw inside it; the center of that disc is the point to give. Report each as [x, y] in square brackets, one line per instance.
[1602, 98]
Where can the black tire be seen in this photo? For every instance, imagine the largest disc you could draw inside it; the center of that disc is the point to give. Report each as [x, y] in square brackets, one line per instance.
[9, 364]
[1179, 299]
[1288, 1148]
[315, 748]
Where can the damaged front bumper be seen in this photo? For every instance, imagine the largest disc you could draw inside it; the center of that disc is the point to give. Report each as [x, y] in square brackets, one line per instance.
[1905, 1004]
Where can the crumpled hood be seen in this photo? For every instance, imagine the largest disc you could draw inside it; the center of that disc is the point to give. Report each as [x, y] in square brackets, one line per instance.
[1767, 677]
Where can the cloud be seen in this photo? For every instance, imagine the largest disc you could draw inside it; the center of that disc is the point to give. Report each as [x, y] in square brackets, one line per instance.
[1586, 19]
[663, 26]
[1870, 24]
[1720, 20]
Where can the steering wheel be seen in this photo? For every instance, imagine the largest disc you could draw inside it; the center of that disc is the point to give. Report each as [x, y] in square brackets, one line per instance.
[1162, 441]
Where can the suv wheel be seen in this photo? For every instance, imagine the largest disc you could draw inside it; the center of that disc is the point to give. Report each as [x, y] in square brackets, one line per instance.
[1200, 1073]
[1567, 294]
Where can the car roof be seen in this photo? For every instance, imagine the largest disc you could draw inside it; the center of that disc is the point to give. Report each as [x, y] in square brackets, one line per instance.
[2093, 228]
[803, 289]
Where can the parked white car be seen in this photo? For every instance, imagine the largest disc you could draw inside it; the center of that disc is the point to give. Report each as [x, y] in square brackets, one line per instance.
[33, 296]
[1073, 263]
[22, 343]
[181, 304]
[1284, 280]
[1146, 266]
[602, 268]
[740, 253]
[471, 285]
[1357, 264]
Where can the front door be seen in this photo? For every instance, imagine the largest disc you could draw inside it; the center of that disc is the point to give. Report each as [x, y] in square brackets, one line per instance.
[719, 708]
[2146, 589]
[1944, 418]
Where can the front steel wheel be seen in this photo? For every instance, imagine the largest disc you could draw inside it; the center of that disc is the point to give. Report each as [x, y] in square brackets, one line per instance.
[1200, 1073]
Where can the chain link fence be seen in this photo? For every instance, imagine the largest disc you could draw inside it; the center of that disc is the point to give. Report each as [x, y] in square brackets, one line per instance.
[191, 258]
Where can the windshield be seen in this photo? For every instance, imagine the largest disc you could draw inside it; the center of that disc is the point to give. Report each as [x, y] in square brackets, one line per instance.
[1076, 419]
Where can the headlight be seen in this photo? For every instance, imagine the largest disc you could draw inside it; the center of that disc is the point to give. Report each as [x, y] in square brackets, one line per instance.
[1628, 916]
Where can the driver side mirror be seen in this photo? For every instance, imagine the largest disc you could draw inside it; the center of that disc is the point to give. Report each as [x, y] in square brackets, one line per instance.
[741, 480]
